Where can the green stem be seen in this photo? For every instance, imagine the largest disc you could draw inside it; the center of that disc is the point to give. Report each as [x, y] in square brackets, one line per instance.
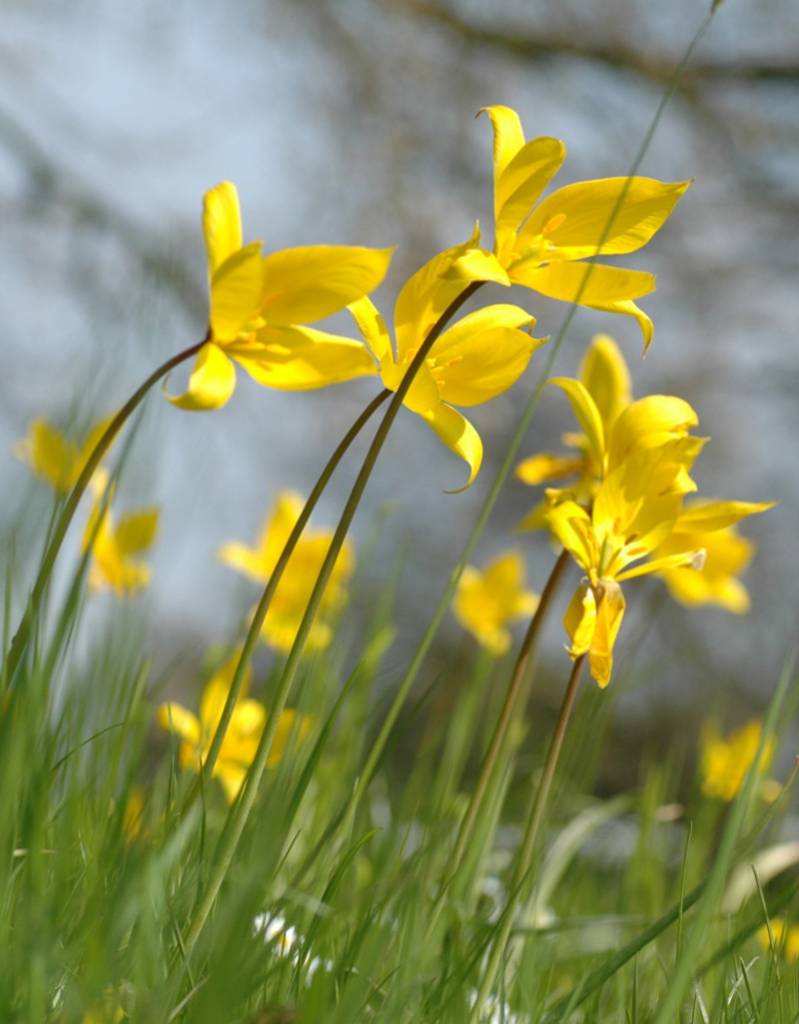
[20, 640]
[527, 848]
[241, 810]
[269, 592]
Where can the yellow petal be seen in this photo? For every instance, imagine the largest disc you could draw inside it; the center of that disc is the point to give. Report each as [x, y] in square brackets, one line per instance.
[539, 469]
[610, 612]
[175, 718]
[304, 359]
[50, 455]
[586, 413]
[520, 185]
[620, 213]
[422, 395]
[478, 265]
[221, 224]
[717, 515]
[275, 533]
[232, 776]
[604, 373]
[571, 524]
[478, 359]
[305, 284]
[458, 435]
[594, 285]
[372, 327]
[217, 689]
[290, 725]
[212, 381]
[136, 531]
[693, 558]
[580, 620]
[648, 423]
[245, 560]
[236, 291]
[508, 135]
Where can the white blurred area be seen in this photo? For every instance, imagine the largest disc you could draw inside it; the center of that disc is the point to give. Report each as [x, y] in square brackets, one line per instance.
[353, 122]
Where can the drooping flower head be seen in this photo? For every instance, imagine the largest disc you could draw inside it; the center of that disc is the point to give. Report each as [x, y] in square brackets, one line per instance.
[294, 590]
[116, 548]
[726, 760]
[259, 304]
[544, 243]
[243, 734]
[55, 458]
[486, 602]
[473, 361]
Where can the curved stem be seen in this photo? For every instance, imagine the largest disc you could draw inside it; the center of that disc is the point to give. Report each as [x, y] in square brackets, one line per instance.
[527, 848]
[241, 810]
[269, 592]
[20, 639]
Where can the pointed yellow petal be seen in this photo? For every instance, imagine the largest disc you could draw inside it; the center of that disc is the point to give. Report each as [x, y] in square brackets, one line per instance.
[212, 381]
[508, 135]
[304, 359]
[50, 455]
[458, 435]
[520, 186]
[610, 612]
[478, 265]
[580, 620]
[221, 224]
[372, 327]
[604, 373]
[236, 290]
[620, 213]
[716, 515]
[539, 469]
[275, 533]
[232, 776]
[245, 560]
[586, 413]
[571, 524]
[305, 284]
[648, 423]
[692, 559]
[136, 531]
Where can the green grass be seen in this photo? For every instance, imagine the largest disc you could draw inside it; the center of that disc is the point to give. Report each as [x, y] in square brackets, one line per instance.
[626, 912]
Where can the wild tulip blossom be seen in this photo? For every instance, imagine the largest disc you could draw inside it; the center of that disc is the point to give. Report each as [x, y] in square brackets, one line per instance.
[477, 358]
[55, 458]
[605, 376]
[544, 243]
[243, 734]
[294, 590]
[725, 760]
[785, 936]
[115, 548]
[259, 304]
[486, 602]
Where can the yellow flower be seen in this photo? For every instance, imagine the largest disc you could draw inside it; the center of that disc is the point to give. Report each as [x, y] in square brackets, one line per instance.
[786, 938]
[726, 760]
[487, 601]
[114, 565]
[257, 303]
[476, 359]
[710, 525]
[604, 375]
[294, 590]
[57, 460]
[543, 244]
[243, 734]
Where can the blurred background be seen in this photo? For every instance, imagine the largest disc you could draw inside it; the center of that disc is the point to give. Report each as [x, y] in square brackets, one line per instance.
[352, 121]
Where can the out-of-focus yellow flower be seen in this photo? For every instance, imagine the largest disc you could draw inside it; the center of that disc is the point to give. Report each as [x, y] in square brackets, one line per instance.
[114, 548]
[605, 377]
[133, 815]
[294, 590]
[476, 359]
[57, 460]
[543, 245]
[243, 735]
[710, 525]
[786, 938]
[725, 760]
[258, 302]
[487, 601]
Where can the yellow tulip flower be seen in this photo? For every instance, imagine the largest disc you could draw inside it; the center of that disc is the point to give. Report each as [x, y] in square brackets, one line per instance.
[243, 734]
[726, 760]
[57, 460]
[786, 938]
[543, 244]
[294, 590]
[710, 525]
[473, 361]
[604, 375]
[487, 601]
[258, 302]
[114, 549]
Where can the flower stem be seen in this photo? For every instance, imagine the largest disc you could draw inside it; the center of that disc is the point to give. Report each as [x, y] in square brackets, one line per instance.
[241, 810]
[22, 635]
[269, 592]
[527, 848]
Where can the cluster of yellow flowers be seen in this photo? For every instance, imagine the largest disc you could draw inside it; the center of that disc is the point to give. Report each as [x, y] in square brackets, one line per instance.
[621, 511]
